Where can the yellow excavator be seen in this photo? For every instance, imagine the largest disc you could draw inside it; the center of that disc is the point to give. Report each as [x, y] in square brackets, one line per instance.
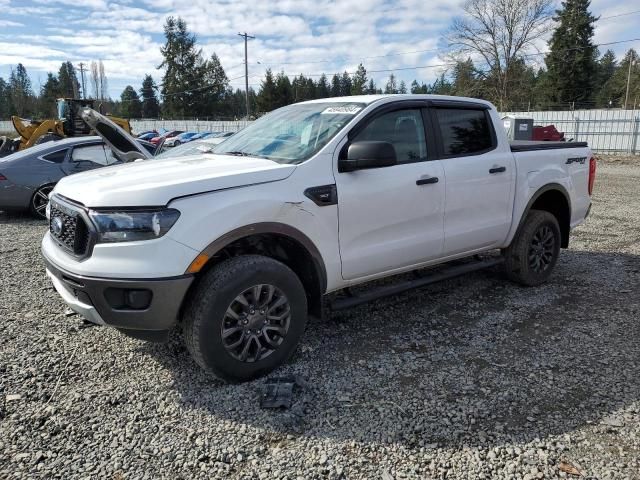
[68, 124]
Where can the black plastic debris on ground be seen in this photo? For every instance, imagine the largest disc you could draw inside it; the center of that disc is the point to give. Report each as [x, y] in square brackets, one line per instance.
[278, 392]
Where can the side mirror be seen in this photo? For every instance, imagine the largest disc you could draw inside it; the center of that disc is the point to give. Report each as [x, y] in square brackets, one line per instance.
[367, 154]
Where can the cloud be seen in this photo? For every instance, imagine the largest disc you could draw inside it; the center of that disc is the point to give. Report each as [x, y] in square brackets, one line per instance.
[9, 23]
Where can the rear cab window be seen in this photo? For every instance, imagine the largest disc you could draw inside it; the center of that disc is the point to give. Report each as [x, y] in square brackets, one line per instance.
[465, 131]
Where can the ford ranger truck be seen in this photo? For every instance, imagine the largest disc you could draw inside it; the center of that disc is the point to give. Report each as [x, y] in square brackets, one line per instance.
[240, 245]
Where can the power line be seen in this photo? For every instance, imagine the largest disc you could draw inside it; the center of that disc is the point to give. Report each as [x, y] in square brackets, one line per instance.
[634, 12]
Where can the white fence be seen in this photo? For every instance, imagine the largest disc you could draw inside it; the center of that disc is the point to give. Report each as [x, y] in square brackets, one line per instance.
[606, 131]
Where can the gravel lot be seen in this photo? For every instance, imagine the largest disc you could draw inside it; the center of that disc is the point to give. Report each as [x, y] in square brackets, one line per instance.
[471, 378]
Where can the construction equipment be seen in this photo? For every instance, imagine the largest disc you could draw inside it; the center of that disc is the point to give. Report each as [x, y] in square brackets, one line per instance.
[68, 124]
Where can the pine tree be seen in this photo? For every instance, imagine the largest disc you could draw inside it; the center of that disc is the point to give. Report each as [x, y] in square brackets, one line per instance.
[5, 100]
[209, 99]
[359, 82]
[465, 82]
[284, 92]
[150, 104]
[371, 88]
[183, 64]
[131, 106]
[322, 88]
[345, 85]
[267, 95]
[571, 62]
[20, 91]
[336, 87]
[392, 85]
[441, 86]
[614, 91]
[403, 87]
[69, 85]
[49, 92]
[606, 69]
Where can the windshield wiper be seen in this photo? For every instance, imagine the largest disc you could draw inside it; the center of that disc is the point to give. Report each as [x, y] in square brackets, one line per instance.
[238, 153]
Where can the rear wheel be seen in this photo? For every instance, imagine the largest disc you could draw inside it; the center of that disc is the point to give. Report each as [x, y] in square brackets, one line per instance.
[176, 143]
[534, 251]
[39, 201]
[245, 317]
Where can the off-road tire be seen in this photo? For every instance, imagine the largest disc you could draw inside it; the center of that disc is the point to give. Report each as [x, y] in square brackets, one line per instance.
[517, 255]
[207, 306]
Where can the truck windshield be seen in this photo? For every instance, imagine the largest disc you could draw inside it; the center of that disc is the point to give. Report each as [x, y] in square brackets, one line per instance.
[291, 134]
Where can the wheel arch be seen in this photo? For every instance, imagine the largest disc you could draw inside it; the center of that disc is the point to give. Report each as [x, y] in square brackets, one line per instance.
[35, 192]
[281, 242]
[555, 199]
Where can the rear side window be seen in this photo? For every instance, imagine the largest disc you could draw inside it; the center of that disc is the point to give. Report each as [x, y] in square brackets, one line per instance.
[464, 132]
[56, 157]
[93, 153]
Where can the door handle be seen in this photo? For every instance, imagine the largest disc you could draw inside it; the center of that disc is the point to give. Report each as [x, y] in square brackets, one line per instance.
[426, 180]
[497, 169]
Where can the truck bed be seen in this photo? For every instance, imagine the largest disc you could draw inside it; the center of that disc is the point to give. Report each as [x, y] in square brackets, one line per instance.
[529, 146]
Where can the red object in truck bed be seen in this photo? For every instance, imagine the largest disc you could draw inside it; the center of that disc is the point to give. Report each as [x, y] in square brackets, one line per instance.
[547, 134]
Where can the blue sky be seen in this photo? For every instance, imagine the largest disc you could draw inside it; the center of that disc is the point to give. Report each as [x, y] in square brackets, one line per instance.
[297, 36]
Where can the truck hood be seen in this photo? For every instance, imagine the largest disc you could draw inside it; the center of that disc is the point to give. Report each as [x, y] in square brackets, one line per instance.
[156, 182]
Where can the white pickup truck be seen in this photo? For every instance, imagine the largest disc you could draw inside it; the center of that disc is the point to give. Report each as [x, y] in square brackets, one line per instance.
[240, 245]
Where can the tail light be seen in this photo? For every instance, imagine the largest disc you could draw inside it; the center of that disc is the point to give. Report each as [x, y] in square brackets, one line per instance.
[2, 177]
[592, 174]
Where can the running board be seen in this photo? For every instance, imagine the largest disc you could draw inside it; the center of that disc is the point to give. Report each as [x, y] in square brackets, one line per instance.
[386, 291]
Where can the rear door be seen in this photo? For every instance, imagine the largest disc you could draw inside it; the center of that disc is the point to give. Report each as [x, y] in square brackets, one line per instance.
[391, 217]
[479, 176]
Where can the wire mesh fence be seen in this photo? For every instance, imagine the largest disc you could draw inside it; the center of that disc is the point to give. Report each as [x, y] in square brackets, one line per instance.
[608, 131]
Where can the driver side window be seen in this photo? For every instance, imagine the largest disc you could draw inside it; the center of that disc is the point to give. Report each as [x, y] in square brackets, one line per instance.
[403, 129]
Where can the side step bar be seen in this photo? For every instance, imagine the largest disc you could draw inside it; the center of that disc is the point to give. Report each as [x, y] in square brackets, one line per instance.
[388, 290]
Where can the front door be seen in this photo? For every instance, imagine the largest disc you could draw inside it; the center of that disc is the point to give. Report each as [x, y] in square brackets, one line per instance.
[391, 217]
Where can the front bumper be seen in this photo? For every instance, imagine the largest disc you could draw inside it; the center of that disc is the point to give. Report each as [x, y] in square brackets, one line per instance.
[92, 298]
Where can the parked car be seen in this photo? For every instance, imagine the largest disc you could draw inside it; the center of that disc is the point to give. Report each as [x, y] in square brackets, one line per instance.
[148, 135]
[241, 245]
[179, 139]
[165, 136]
[28, 176]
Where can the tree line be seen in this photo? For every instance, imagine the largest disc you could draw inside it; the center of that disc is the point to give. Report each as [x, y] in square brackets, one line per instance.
[481, 61]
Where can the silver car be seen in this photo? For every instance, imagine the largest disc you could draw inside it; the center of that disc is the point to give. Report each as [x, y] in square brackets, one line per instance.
[27, 177]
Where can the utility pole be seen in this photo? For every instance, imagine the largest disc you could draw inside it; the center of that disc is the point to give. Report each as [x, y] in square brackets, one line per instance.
[246, 69]
[84, 95]
[626, 97]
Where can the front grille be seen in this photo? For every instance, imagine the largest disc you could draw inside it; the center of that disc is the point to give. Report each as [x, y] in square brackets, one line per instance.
[69, 229]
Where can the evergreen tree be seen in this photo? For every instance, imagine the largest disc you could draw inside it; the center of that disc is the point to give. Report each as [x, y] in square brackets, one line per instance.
[571, 61]
[150, 104]
[465, 82]
[403, 87]
[606, 69]
[267, 95]
[284, 92]
[359, 82]
[614, 91]
[371, 88]
[322, 88]
[69, 85]
[49, 93]
[336, 87]
[345, 85]
[5, 100]
[392, 85]
[183, 65]
[419, 87]
[209, 99]
[130, 107]
[20, 91]
[441, 86]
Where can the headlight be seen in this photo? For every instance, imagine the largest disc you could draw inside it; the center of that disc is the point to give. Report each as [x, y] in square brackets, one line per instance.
[47, 211]
[133, 225]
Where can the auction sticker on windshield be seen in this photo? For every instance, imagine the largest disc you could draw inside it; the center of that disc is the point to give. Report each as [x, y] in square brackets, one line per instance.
[344, 109]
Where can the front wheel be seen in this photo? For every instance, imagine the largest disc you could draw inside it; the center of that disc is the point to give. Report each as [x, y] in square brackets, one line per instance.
[534, 251]
[245, 317]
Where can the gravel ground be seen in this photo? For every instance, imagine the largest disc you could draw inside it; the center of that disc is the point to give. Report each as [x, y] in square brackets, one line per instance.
[471, 378]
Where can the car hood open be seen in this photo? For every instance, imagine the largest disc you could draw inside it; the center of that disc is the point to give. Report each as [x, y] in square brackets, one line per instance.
[158, 182]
